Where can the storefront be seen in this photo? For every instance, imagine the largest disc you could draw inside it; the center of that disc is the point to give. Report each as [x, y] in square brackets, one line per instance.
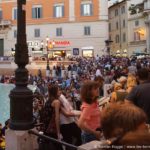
[88, 51]
[35, 48]
[60, 49]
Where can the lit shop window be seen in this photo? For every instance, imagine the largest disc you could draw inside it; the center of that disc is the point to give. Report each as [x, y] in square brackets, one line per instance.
[87, 53]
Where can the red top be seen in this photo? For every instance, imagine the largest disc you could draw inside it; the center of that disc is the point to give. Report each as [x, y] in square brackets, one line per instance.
[90, 113]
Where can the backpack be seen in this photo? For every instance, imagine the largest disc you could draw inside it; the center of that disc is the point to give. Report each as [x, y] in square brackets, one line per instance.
[47, 116]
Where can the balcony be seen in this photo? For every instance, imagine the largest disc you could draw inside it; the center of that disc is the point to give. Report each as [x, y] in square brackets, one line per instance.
[5, 23]
[139, 42]
[5, 26]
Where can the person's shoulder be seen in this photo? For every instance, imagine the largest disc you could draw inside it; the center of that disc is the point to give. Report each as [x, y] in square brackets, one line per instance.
[56, 102]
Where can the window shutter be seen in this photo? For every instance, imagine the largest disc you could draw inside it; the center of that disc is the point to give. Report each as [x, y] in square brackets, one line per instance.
[33, 13]
[41, 12]
[89, 28]
[63, 11]
[91, 9]
[54, 11]
[56, 31]
[1, 14]
[60, 31]
[82, 9]
[84, 30]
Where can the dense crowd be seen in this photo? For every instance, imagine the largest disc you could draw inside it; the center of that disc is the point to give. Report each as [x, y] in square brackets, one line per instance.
[99, 98]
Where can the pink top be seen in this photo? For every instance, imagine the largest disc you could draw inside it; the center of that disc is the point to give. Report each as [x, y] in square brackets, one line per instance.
[90, 113]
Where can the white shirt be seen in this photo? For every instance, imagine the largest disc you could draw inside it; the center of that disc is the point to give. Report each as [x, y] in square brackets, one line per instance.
[67, 106]
[98, 72]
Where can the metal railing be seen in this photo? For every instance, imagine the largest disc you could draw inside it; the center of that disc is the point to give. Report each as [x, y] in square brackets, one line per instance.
[73, 147]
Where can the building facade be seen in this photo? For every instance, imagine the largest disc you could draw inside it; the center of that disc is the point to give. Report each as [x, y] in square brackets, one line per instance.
[137, 30]
[127, 29]
[72, 27]
[147, 22]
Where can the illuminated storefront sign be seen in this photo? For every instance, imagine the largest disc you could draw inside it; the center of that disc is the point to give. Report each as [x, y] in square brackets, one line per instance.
[34, 44]
[62, 43]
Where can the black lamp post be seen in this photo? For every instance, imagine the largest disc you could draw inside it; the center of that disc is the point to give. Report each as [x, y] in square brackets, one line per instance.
[21, 97]
[47, 41]
[47, 53]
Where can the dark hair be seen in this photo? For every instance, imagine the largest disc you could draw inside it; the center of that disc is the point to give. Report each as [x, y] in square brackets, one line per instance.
[143, 74]
[7, 122]
[86, 91]
[53, 92]
[100, 80]
[118, 119]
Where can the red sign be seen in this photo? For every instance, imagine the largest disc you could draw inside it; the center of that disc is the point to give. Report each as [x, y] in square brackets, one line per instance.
[62, 43]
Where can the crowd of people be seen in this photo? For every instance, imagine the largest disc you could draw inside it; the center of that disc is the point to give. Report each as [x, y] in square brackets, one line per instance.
[68, 102]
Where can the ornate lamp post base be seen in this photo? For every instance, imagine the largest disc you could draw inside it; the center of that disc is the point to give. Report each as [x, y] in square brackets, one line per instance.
[21, 98]
[21, 114]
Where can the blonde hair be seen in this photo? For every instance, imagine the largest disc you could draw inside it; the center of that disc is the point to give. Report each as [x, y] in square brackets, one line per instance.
[131, 81]
[117, 86]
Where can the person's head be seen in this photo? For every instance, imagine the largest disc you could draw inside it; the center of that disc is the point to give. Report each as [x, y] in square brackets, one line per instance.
[131, 81]
[89, 92]
[7, 123]
[122, 80]
[117, 86]
[143, 74]
[100, 80]
[122, 118]
[53, 92]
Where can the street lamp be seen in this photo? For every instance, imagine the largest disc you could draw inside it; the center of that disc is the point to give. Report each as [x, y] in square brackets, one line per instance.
[125, 52]
[47, 53]
[47, 67]
[118, 53]
[21, 98]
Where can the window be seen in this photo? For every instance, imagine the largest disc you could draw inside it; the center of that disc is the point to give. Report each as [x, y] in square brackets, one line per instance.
[37, 33]
[37, 12]
[117, 38]
[58, 31]
[124, 37]
[59, 11]
[14, 14]
[123, 9]
[137, 23]
[86, 9]
[87, 30]
[1, 15]
[15, 33]
[137, 36]
[116, 12]
[124, 23]
[117, 25]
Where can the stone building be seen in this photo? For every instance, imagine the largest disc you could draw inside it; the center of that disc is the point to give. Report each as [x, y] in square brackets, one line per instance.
[127, 27]
[73, 27]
